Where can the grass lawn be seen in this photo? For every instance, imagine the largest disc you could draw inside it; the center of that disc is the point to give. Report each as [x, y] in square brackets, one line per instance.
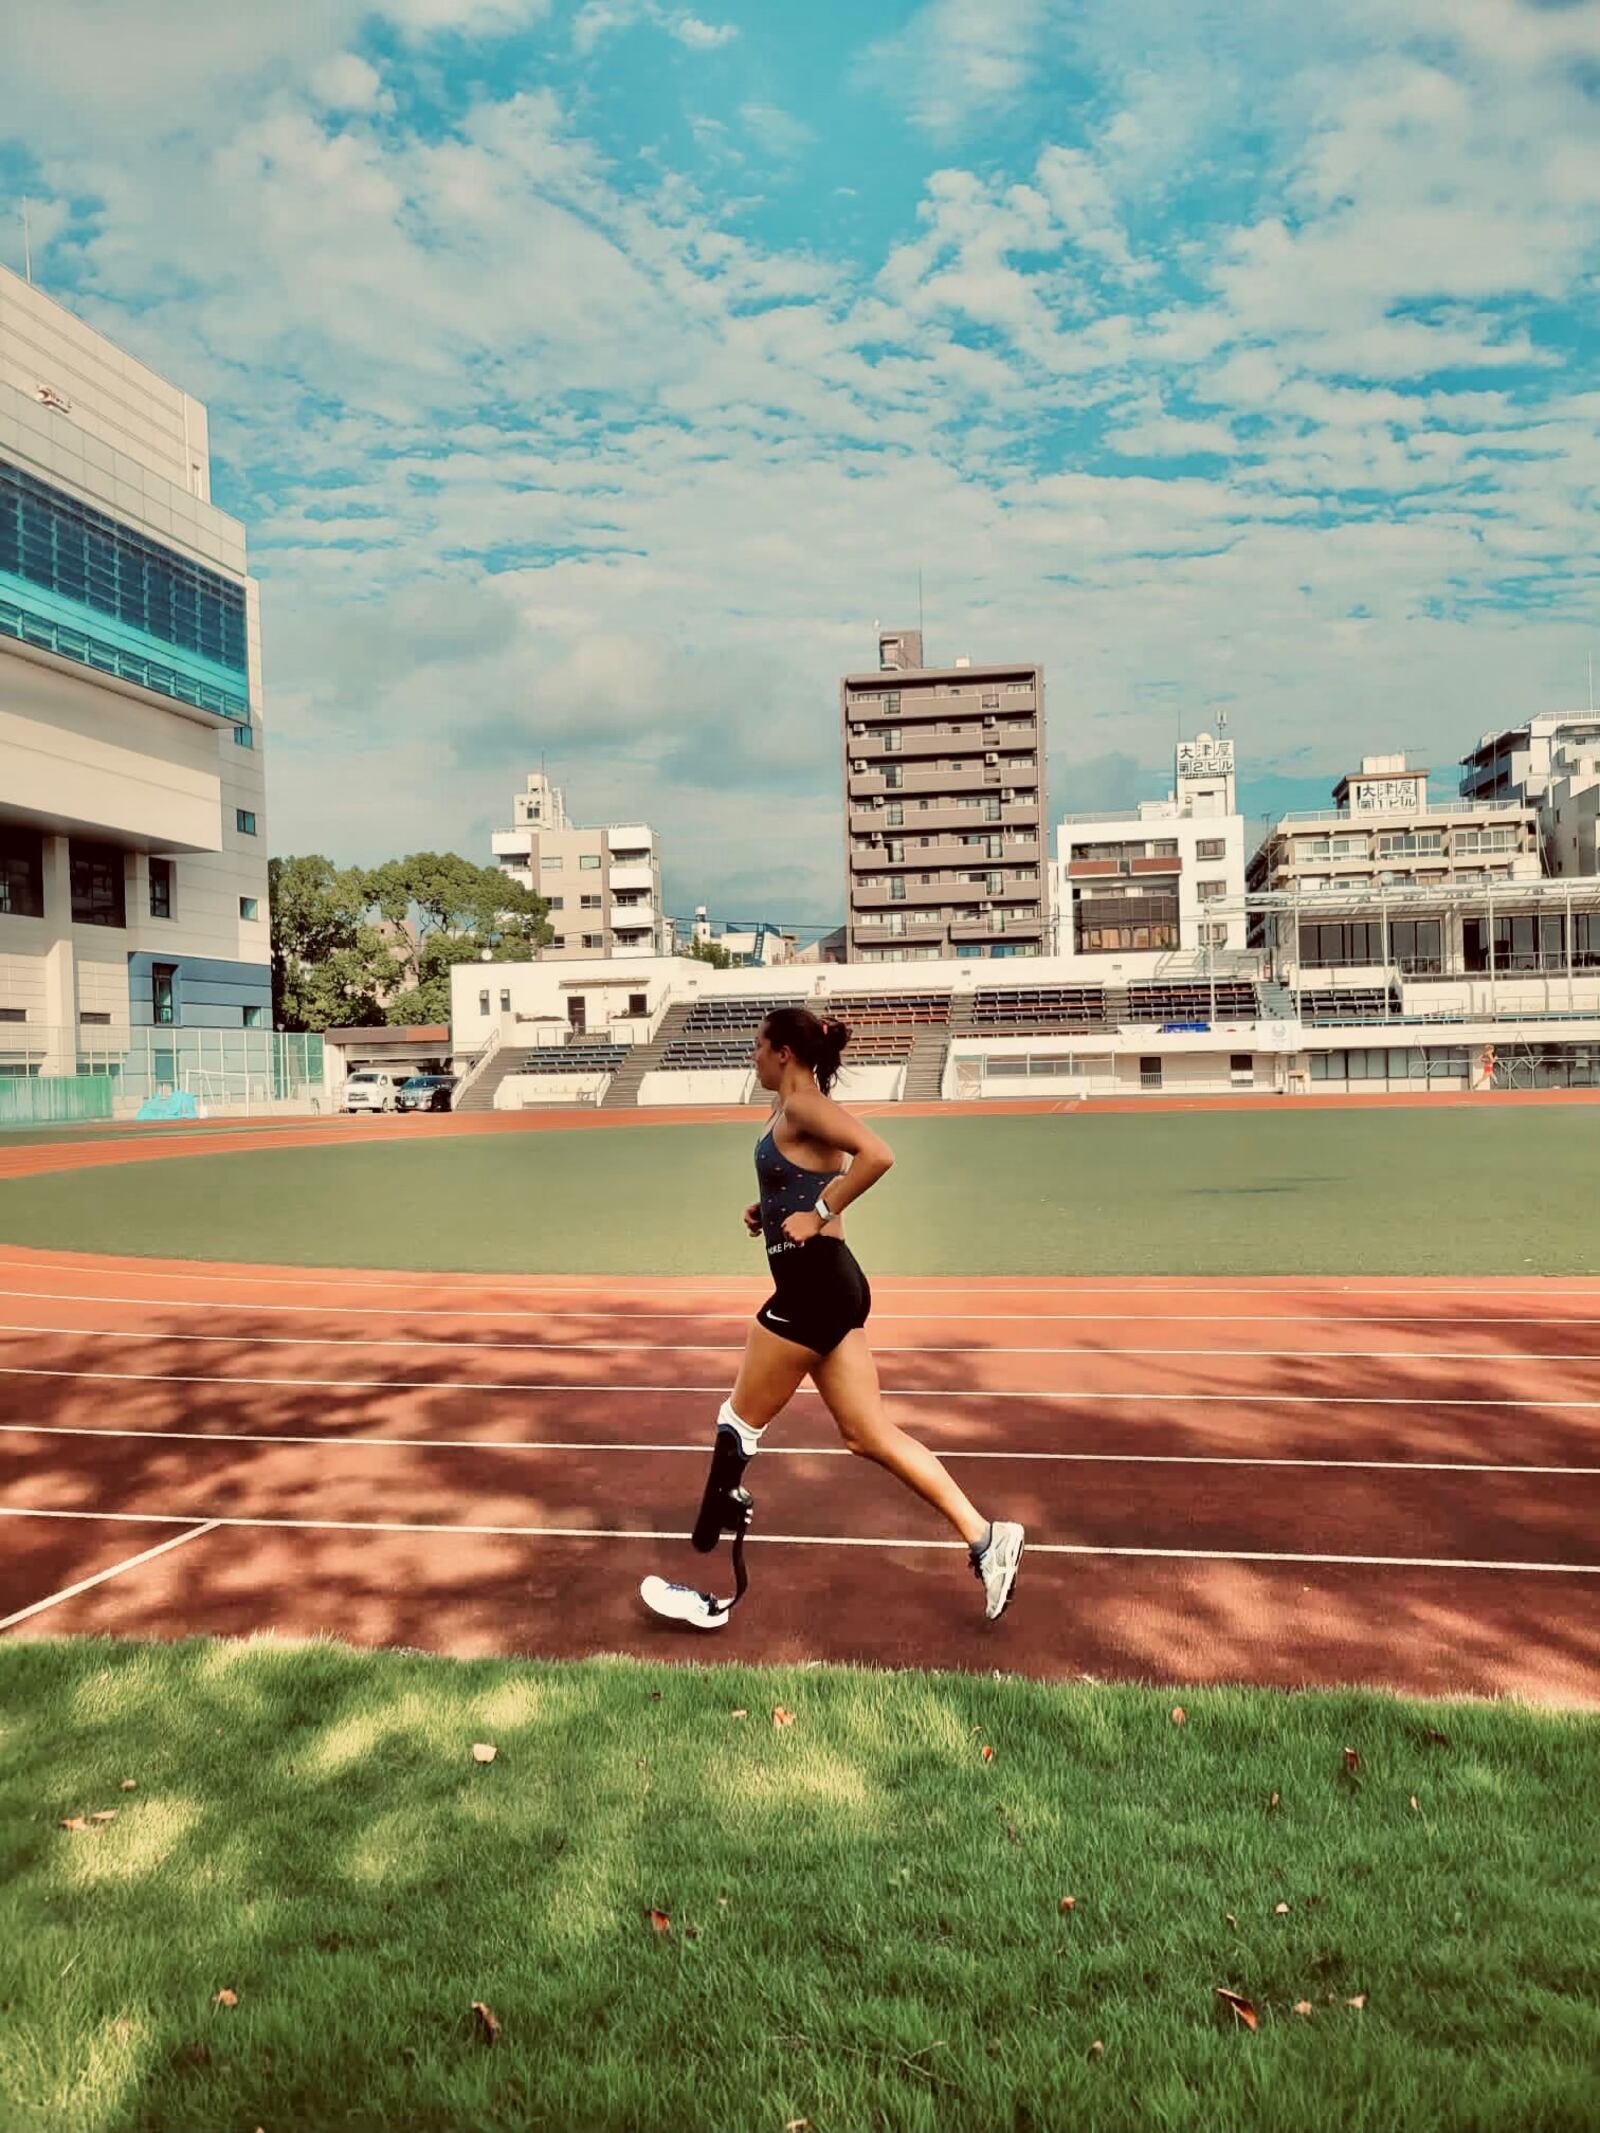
[862, 1916]
[1452, 1191]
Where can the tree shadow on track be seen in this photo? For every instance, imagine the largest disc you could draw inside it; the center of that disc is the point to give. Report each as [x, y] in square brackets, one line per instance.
[1125, 1615]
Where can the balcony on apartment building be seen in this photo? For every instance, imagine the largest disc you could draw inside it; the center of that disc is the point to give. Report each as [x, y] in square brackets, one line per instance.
[896, 849]
[1110, 869]
[632, 917]
[922, 895]
[975, 774]
[626, 880]
[630, 844]
[926, 821]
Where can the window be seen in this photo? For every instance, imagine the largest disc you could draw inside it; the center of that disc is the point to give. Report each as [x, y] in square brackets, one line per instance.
[248, 907]
[1210, 848]
[98, 884]
[161, 872]
[483, 1003]
[1210, 892]
[505, 1001]
[253, 1017]
[91, 1015]
[1521, 943]
[897, 814]
[244, 737]
[591, 903]
[991, 810]
[244, 821]
[890, 700]
[1107, 925]
[1150, 1071]
[1214, 936]
[1485, 840]
[549, 864]
[13, 1014]
[1164, 848]
[90, 589]
[894, 776]
[21, 873]
[638, 1003]
[897, 888]
[1406, 844]
[1333, 946]
[556, 903]
[1241, 1068]
[163, 994]
[991, 700]
[1414, 943]
[594, 940]
[589, 861]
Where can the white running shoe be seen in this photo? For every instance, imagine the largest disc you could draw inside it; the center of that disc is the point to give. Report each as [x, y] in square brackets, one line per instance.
[996, 1569]
[681, 1603]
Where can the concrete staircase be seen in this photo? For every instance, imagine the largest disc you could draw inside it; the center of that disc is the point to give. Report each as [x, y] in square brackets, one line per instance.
[1277, 1001]
[623, 1094]
[480, 1096]
[1116, 1005]
[924, 1078]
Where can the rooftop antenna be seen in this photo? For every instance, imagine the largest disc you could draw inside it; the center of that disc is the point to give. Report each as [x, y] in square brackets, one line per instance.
[27, 243]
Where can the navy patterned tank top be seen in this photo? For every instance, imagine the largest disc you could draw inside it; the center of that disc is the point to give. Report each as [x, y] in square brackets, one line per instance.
[785, 1189]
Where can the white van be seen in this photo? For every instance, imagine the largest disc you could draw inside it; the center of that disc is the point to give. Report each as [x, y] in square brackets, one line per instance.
[370, 1090]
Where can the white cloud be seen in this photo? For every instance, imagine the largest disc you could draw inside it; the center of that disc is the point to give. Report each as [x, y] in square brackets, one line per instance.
[347, 82]
[958, 62]
[775, 130]
[599, 19]
[701, 36]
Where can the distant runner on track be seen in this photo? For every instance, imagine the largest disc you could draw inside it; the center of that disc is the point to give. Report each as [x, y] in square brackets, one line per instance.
[814, 1323]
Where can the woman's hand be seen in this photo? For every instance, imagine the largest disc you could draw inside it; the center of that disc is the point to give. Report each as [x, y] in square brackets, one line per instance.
[752, 1219]
[801, 1228]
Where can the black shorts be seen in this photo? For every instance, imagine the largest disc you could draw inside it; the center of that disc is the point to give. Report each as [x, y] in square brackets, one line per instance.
[820, 1295]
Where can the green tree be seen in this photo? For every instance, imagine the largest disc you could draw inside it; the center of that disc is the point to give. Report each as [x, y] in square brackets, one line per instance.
[711, 952]
[331, 967]
[463, 913]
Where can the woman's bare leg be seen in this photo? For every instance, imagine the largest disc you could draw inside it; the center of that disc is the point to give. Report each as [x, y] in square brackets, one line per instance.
[848, 1382]
[772, 1372]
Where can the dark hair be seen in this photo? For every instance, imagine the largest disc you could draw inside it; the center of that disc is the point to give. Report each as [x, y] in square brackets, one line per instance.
[814, 1040]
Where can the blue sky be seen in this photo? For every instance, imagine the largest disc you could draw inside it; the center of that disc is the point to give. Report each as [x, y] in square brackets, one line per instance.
[592, 377]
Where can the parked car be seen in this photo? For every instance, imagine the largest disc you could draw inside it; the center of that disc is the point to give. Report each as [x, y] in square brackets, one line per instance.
[370, 1090]
[426, 1092]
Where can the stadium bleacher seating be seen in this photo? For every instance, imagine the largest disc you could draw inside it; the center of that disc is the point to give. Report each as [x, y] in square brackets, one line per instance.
[1037, 1010]
[1186, 1001]
[596, 1057]
[1356, 1003]
[719, 1033]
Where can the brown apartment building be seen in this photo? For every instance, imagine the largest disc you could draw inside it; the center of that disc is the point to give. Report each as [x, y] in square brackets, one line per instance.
[944, 808]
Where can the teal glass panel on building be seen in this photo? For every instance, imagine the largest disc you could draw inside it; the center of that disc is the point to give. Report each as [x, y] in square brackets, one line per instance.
[79, 583]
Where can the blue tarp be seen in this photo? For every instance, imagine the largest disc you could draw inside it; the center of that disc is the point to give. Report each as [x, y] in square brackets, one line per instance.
[178, 1104]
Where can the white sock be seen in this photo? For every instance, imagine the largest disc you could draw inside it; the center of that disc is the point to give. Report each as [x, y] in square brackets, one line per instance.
[749, 1439]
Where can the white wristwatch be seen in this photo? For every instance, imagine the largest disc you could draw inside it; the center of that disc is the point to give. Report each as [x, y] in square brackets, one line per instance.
[821, 1209]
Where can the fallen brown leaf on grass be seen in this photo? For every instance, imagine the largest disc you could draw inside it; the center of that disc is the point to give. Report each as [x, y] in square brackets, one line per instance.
[1273, 1800]
[1240, 2005]
[1358, 2002]
[104, 1814]
[691, 1932]
[1011, 1834]
[1097, 2047]
[73, 1822]
[1303, 2007]
[781, 1717]
[483, 1751]
[128, 1784]
[659, 1921]
[227, 1997]
[1437, 1739]
[1067, 1903]
[1180, 1716]
[488, 2026]
[1352, 1761]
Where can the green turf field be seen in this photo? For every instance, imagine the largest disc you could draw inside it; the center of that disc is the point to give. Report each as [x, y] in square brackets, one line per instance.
[1401, 1191]
[862, 1922]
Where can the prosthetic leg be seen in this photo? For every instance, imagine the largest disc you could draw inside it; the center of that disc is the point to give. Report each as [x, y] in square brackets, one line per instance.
[725, 1507]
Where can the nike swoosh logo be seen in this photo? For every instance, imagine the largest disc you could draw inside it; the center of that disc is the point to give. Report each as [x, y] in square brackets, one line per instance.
[776, 1320]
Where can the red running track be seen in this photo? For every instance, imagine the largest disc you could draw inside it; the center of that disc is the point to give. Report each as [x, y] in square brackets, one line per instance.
[1393, 1482]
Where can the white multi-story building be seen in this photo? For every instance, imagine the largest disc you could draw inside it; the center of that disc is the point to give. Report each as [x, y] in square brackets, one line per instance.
[1137, 887]
[603, 886]
[1551, 762]
[133, 848]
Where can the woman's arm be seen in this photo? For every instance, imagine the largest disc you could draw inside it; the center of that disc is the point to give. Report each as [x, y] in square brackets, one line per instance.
[821, 1119]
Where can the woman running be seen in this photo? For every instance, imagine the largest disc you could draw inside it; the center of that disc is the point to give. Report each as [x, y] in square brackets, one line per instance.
[814, 1323]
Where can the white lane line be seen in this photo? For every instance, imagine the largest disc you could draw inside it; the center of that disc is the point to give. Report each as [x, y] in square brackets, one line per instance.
[655, 1347]
[782, 1451]
[69, 1592]
[605, 1389]
[809, 1540]
[632, 1312]
[899, 1289]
